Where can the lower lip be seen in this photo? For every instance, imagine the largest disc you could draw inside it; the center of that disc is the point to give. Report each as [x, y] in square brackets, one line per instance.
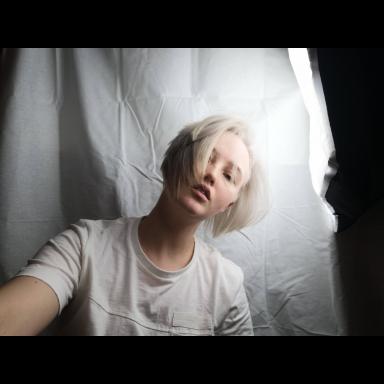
[200, 194]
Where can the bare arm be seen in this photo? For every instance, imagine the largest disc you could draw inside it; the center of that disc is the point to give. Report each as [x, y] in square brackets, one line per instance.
[27, 306]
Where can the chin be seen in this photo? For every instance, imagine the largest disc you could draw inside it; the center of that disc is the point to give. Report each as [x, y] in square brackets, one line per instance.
[193, 207]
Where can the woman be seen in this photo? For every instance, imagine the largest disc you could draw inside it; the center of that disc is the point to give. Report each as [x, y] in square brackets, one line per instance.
[152, 275]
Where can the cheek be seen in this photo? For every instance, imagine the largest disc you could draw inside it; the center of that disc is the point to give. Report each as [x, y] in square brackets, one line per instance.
[224, 198]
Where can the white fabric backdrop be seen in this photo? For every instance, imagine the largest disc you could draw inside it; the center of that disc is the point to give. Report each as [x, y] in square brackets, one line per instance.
[83, 132]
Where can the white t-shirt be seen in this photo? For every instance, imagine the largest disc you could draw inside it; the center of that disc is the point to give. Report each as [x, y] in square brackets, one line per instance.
[106, 285]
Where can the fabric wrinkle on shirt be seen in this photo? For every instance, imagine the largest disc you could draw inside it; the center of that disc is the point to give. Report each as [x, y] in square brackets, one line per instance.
[106, 285]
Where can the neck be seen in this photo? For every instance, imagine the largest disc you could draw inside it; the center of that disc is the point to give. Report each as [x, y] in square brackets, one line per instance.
[167, 235]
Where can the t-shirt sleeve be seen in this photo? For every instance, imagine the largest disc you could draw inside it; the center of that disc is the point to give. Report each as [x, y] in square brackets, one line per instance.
[238, 319]
[59, 262]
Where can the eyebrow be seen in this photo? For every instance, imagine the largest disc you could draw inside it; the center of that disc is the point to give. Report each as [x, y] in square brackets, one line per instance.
[238, 169]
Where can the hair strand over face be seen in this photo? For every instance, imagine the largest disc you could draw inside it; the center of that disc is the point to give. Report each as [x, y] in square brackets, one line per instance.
[186, 160]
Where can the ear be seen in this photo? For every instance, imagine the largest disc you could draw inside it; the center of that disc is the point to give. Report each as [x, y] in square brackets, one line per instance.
[225, 208]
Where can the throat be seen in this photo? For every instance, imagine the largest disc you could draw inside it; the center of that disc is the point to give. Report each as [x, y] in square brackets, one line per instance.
[164, 254]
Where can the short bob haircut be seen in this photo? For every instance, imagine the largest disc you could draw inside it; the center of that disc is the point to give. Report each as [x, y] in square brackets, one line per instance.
[187, 157]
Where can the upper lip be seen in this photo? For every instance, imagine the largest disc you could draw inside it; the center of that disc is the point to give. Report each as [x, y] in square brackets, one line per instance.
[204, 189]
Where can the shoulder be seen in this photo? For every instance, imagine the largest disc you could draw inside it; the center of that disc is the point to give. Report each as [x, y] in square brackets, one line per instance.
[100, 226]
[103, 223]
[225, 271]
[95, 231]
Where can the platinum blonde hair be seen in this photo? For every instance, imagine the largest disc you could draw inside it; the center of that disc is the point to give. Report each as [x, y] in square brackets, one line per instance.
[187, 158]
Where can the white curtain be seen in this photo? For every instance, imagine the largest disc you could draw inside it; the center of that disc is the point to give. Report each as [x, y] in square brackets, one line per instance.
[83, 132]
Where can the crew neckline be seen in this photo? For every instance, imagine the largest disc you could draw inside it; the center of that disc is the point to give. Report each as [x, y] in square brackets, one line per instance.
[148, 264]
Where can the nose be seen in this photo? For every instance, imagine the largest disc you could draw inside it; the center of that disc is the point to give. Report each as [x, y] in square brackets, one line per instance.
[209, 176]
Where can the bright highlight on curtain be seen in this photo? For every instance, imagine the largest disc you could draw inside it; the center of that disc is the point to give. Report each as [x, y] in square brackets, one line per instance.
[322, 162]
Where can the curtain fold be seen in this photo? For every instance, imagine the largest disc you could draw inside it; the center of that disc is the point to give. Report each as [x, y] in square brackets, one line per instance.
[83, 132]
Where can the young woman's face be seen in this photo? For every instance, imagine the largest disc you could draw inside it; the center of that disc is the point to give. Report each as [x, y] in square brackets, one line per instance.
[222, 182]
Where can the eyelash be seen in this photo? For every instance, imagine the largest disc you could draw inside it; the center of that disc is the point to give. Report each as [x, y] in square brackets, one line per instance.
[227, 176]
[231, 178]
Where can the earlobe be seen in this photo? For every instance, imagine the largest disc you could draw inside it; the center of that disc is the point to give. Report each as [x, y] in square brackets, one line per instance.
[225, 208]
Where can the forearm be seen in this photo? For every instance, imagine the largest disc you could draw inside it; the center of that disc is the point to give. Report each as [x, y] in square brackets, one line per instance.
[27, 306]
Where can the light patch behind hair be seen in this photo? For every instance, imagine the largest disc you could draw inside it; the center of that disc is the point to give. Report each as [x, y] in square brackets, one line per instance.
[186, 160]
